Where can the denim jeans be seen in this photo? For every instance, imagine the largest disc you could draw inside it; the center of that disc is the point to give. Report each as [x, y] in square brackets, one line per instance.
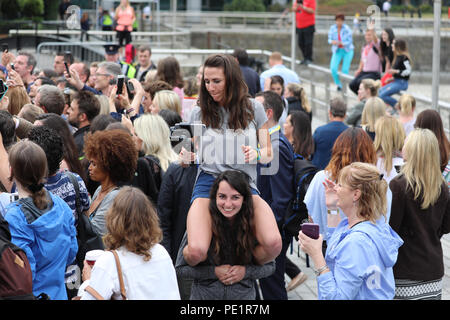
[346, 58]
[391, 88]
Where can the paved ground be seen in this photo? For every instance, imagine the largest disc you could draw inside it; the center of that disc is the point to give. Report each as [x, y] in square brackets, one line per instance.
[308, 290]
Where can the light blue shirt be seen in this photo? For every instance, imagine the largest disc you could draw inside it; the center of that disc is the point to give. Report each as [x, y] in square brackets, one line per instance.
[346, 37]
[279, 70]
[317, 208]
[360, 260]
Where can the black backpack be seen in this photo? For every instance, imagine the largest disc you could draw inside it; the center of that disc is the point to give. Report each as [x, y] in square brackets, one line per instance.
[297, 212]
[16, 279]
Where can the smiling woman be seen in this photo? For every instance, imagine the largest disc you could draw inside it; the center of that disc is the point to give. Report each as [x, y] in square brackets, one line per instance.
[229, 271]
[235, 125]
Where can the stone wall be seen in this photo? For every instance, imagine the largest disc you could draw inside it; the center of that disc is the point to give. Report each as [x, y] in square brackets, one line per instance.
[420, 47]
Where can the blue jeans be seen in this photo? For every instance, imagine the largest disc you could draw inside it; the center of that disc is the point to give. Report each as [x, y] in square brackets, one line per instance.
[338, 56]
[391, 88]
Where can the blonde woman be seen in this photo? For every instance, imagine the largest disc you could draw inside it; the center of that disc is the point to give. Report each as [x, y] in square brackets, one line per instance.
[368, 88]
[166, 99]
[406, 106]
[389, 139]
[297, 99]
[155, 135]
[363, 247]
[420, 214]
[374, 108]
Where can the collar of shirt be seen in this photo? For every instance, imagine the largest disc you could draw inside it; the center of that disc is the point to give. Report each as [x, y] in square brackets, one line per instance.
[274, 129]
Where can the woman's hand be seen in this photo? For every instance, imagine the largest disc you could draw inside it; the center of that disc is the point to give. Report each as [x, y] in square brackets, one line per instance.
[250, 154]
[221, 272]
[310, 246]
[15, 80]
[186, 157]
[331, 197]
[234, 275]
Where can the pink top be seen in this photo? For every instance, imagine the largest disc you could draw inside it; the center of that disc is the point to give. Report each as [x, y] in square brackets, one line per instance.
[125, 19]
[371, 60]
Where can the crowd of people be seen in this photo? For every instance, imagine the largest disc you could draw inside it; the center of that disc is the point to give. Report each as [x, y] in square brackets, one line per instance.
[187, 180]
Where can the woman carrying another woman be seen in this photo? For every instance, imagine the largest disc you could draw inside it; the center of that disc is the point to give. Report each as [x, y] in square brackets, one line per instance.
[420, 214]
[229, 273]
[235, 125]
[363, 248]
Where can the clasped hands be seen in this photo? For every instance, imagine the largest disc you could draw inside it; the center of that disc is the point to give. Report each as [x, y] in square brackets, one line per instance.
[228, 274]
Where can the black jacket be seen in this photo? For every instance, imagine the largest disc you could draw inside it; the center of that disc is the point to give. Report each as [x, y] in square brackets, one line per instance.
[295, 104]
[174, 202]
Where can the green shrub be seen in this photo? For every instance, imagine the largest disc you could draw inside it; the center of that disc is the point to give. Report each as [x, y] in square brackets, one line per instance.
[245, 5]
[33, 8]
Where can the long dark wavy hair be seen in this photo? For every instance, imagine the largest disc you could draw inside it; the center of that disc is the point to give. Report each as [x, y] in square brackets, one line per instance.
[303, 141]
[237, 101]
[238, 239]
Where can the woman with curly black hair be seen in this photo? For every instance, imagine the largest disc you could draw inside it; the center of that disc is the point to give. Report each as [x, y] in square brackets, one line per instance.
[229, 270]
[112, 162]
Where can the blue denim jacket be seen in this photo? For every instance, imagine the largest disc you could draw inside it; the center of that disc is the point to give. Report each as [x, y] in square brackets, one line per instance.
[346, 37]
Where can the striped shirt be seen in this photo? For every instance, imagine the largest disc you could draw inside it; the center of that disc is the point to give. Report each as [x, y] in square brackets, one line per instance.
[60, 185]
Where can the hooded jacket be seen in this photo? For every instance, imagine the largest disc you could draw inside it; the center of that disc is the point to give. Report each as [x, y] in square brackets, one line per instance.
[49, 239]
[360, 260]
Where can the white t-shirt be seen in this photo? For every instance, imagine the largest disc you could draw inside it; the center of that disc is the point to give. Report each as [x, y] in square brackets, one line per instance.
[144, 280]
[396, 161]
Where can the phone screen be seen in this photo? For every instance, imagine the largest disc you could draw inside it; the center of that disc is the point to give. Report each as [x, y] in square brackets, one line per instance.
[120, 80]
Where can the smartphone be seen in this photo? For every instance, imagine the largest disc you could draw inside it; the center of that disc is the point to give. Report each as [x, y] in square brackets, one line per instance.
[300, 1]
[12, 66]
[5, 47]
[120, 80]
[130, 86]
[311, 230]
[3, 89]
[67, 69]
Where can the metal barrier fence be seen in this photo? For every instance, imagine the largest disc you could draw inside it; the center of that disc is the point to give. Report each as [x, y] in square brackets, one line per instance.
[317, 80]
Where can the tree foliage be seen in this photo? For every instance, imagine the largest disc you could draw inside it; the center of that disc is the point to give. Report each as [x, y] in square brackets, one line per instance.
[245, 5]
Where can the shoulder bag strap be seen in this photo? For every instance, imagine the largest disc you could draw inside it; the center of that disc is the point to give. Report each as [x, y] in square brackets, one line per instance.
[76, 186]
[119, 272]
[94, 293]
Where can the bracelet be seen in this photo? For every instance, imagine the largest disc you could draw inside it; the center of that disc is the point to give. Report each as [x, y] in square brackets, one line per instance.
[320, 270]
[130, 110]
[258, 153]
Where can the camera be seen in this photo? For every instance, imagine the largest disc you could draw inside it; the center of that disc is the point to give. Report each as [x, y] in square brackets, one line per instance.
[181, 135]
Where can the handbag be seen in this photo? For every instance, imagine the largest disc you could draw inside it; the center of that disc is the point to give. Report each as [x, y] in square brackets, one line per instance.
[97, 295]
[87, 238]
